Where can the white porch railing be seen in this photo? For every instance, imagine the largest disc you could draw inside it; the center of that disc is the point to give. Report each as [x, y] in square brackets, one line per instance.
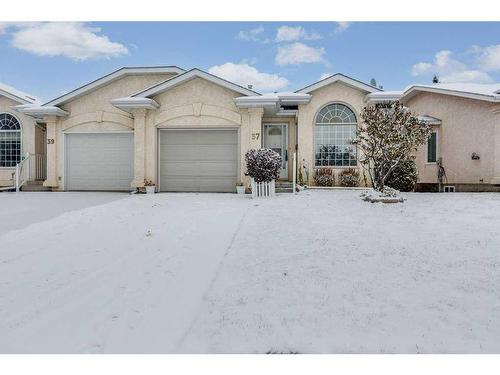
[31, 168]
[263, 189]
[294, 173]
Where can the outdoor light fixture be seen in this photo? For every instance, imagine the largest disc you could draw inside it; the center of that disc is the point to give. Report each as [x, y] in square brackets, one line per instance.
[475, 156]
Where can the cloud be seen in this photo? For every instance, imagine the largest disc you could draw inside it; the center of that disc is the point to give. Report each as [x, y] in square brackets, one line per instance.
[297, 53]
[449, 69]
[488, 58]
[75, 40]
[244, 75]
[253, 35]
[341, 27]
[291, 33]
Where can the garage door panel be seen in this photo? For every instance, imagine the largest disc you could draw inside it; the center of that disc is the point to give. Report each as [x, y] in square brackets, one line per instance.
[199, 137]
[197, 169]
[198, 160]
[99, 161]
[192, 153]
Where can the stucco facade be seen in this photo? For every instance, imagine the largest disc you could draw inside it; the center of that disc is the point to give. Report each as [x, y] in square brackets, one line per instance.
[337, 92]
[32, 137]
[92, 113]
[144, 101]
[467, 126]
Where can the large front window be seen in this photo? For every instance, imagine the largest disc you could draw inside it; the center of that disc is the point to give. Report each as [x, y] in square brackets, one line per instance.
[10, 140]
[335, 131]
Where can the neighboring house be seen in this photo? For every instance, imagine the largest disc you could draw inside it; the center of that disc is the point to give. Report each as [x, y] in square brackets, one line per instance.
[20, 134]
[465, 120]
[189, 130]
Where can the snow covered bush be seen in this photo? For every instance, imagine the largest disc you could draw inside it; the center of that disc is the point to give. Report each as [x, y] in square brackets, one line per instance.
[349, 177]
[263, 165]
[324, 177]
[387, 137]
[404, 176]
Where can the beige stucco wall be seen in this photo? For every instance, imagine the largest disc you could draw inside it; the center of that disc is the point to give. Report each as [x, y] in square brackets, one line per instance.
[467, 126]
[334, 93]
[194, 104]
[27, 136]
[93, 112]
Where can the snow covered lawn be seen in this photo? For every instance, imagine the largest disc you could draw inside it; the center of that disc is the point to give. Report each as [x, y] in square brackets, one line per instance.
[320, 272]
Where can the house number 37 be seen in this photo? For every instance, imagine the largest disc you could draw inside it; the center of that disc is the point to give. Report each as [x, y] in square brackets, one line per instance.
[255, 136]
[50, 141]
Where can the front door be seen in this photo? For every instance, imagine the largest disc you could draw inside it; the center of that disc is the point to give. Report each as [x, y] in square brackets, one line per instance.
[276, 138]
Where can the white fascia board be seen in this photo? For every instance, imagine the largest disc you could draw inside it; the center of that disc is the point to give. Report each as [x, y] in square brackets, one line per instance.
[130, 103]
[381, 97]
[256, 101]
[13, 97]
[338, 77]
[287, 113]
[294, 99]
[191, 74]
[411, 91]
[40, 111]
[429, 120]
[112, 77]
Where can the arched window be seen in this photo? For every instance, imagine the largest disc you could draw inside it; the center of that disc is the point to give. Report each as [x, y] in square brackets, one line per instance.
[335, 129]
[10, 140]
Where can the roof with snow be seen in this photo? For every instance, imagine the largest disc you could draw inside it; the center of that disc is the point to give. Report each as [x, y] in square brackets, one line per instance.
[339, 77]
[110, 78]
[17, 95]
[189, 75]
[480, 91]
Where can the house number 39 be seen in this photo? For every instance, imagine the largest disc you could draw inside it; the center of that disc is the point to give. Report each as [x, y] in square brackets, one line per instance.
[255, 136]
[50, 141]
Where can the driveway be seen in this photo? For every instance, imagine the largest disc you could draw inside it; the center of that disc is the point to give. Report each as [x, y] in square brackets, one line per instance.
[18, 210]
[320, 272]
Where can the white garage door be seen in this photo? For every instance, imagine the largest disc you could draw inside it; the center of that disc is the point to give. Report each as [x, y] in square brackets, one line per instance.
[99, 161]
[198, 160]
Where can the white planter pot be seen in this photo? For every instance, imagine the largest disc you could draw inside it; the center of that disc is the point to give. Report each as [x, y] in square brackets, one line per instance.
[240, 189]
[150, 189]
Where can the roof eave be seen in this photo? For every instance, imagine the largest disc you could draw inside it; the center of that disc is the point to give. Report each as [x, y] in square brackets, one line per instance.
[41, 111]
[129, 104]
[82, 90]
[413, 90]
[189, 75]
[336, 78]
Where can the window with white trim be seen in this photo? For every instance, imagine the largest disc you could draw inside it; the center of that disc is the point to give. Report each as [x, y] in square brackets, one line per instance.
[335, 130]
[432, 148]
[10, 140]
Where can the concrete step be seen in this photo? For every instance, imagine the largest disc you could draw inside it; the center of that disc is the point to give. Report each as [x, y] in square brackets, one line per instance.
[284, 190]
[35, 187]
[284, 184]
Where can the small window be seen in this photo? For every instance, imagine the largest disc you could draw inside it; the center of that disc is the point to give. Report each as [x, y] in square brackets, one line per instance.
[432, 148]
[10, 140]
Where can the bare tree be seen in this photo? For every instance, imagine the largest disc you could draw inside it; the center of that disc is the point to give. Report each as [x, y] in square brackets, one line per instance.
[387, 137]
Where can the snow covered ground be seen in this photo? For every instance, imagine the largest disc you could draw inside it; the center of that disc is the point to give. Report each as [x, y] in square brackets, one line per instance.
[320, 272]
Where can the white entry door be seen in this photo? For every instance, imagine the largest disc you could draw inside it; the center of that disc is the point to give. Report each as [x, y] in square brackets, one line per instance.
[276, 138]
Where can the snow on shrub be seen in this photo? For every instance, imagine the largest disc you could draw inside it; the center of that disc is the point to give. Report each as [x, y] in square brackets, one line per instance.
[404, 176]
[263, 165]
[349, 177]
[324, 177]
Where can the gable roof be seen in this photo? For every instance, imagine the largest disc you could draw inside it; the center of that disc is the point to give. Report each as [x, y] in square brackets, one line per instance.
[117, 74]
[189, 75]
[488, 92]
[17, 95]
[339, 77]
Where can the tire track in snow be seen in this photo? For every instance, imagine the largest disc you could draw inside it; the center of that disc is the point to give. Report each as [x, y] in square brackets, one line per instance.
[212, 282]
